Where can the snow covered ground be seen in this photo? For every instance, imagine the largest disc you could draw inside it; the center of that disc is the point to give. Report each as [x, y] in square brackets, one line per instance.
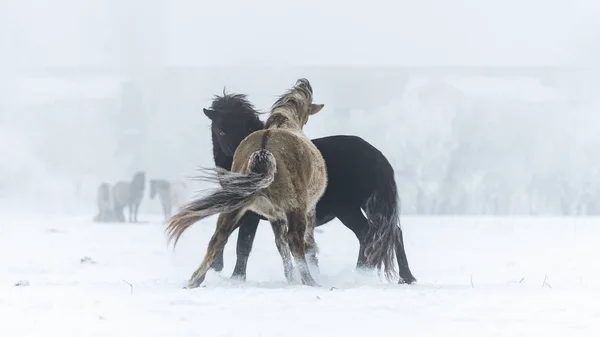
[476, 277]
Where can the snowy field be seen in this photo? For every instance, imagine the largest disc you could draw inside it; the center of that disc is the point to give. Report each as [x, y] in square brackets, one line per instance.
[476, 277]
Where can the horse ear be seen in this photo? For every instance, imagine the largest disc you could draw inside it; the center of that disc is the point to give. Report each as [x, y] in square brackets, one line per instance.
[210, 113]
[314, 108]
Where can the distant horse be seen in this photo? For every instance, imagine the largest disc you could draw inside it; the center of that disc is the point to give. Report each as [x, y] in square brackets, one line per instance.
[120, 196]
[128, 194]
[170, 193]
[359, 178]
[104, 203]
[136, 194]
[277, 173]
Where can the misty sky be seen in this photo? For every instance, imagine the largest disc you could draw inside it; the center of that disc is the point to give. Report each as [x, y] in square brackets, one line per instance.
[183, 32]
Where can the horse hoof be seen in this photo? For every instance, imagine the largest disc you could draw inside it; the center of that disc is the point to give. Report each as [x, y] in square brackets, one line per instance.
[408, 280]
[217, 266]
[238, 277]
[310, 282]
[195, 282]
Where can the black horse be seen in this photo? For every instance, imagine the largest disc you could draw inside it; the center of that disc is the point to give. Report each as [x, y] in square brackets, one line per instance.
[370, 185]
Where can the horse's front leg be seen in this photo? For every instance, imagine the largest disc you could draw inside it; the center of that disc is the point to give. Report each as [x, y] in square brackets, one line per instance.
[248, 226]
[137, 210]
[168, 207]
[218, 263]
[130, 209]
[165, 212]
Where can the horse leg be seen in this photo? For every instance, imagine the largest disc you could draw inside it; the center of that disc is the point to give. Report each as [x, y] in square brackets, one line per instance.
[406, 275]
[130, 208]
[279, 230]
[296, 232]
[137, 209]
[357, 223]
[168, 207]
[309, 239]
[133, 209]
[119, 213]
[246, 233]
[225, 225]
[166, 211]
[218, 263]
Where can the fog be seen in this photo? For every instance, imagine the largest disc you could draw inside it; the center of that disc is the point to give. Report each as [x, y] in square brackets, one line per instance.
[482, 107]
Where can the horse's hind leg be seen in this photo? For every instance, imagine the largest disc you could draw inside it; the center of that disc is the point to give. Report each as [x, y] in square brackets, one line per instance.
[279, 230]
[280, 225]
[357, 223]
[406, 275]
[309, 238]
[225, 225]
[296, 231]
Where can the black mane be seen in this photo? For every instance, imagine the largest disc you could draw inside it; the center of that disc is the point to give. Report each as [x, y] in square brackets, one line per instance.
[233, 108]
[234, 104]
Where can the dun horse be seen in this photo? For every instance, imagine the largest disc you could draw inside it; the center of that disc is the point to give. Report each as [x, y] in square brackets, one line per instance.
[170, 193]
[277, 173]
[359, 178]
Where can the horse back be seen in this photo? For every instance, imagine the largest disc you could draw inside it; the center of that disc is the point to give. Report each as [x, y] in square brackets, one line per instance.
[355, 169]
[301, 171]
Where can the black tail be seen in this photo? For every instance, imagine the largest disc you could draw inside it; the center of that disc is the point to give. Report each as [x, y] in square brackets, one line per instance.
[236, 191]
[385, 235]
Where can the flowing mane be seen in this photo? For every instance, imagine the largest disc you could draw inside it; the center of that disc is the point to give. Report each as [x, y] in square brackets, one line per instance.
[283, 110]
[234, 104]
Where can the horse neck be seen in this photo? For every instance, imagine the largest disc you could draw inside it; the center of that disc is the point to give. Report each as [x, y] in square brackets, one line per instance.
[283, 119]
[221, 159]
[138, 180]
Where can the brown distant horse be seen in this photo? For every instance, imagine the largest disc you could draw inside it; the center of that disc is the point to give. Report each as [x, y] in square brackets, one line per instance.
[278, 173]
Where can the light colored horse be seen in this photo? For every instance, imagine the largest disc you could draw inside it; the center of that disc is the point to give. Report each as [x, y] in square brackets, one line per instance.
[171, 194]
[130, 195]
[136, 194]
[278, 173]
